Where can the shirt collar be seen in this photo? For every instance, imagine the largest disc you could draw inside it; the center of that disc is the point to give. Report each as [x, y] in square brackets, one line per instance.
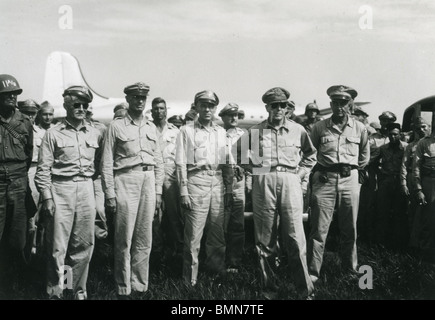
[350, 122]
[84, 127]
[284, 125]
[200, 126]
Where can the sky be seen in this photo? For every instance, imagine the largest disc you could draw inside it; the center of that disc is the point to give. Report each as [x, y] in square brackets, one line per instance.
[237, 48]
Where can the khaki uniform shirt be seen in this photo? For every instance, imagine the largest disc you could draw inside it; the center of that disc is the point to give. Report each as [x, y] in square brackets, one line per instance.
[66, 152]
[199, 148]
[126, 145]
[167, 140]
[424, 159]
[334, 146]
[289, 145]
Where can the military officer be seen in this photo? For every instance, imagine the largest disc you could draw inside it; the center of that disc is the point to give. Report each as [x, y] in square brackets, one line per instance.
[342, 148]
[64, 179]
[234, 215]
[132, 175]
[281, 154]
[204, 177]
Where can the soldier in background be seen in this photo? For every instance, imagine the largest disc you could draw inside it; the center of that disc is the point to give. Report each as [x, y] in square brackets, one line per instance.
[176, 120]
[391, 227]
[101, 224]
[43, 122]
[16, 134]
[234, 215]
[311, 111]
[368, 206]
[66, 166]
[423, 169]
[168, 224]
[421, 129]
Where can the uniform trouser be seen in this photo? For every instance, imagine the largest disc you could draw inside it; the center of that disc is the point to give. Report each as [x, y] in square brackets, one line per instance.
[172, 220]
[101, 228]
[168, 225]
[70, 234]
[206, 193]
[343, 192]
[13, 219]
[136, 204]
[31, 173]
[391, 223]
[424, 224]
[273, 194]
[367, 207]
[235, 225]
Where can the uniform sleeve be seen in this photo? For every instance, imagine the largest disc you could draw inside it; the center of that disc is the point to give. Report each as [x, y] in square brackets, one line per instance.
[181, 161]
[403, 172]
[106, 165]
[416, 165]
[45, 163]
[364, 147]
[159, 169]
[29, 145]
[309, 154]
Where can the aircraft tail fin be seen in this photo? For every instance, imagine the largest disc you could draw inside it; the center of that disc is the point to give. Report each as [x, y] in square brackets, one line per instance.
[63, 70]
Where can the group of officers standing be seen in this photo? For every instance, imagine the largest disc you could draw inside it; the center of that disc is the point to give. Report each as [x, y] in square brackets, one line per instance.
[194, 180]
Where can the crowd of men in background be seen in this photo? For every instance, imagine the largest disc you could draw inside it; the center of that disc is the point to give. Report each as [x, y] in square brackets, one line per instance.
[163, 188]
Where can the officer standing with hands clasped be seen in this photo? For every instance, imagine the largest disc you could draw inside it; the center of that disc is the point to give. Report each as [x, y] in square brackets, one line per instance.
[342, 148]
[205, 181]
[64, 179]
[281, 155]
[132, 174]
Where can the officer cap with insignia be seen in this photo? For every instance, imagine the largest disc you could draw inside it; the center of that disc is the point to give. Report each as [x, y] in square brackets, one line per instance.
[340, 92]
[276, 95]
[359, 111]
[28, 105]
[81, 92]
[207, 96]
[230, 108]
[138, 88]
[387, 115]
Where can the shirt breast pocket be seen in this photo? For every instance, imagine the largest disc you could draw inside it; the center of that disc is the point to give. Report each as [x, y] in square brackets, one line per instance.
[290, 149]
[91, 146]
[66, 151]
[128, 146]
[151, 141]
[352, 145]
[328, 144]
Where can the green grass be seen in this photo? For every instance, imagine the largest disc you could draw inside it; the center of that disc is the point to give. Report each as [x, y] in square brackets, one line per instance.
[396, 276]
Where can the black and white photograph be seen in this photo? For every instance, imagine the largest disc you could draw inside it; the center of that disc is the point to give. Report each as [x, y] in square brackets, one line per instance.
[217, 157]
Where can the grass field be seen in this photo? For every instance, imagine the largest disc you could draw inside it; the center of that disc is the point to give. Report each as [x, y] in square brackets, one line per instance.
[396, 276]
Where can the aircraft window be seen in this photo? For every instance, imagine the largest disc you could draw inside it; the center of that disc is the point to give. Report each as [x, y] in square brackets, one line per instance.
[426, 115]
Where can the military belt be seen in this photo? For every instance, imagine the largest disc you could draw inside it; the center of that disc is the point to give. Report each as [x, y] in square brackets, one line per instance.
[283, 169]
[71, 178]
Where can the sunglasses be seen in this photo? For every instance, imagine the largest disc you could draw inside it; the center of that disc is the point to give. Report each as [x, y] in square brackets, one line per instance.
[276, 105]
[139, 97]
[79, 105]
